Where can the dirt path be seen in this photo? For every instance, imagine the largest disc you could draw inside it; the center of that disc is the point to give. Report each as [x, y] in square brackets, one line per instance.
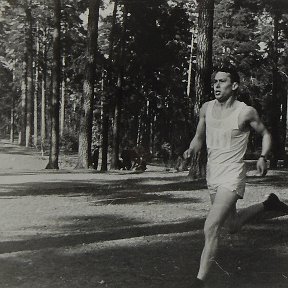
[122, 230]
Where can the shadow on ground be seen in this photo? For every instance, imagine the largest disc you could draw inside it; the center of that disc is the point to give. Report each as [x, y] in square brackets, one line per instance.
[126, 252]
[274, 181]
[7, 148]
[248, 260]
[140, 186]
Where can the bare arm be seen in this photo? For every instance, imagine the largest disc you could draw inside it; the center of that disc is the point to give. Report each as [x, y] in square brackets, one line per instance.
[199, 138]
[256, 123]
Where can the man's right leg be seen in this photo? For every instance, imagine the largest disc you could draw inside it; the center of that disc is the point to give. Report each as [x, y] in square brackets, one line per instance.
[236, 219]
[224, 202]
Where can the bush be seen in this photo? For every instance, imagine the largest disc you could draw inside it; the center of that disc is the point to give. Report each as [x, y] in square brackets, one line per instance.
[69, 142]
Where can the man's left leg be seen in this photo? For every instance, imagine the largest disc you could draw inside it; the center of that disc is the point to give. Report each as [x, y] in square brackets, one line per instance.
[224, 202]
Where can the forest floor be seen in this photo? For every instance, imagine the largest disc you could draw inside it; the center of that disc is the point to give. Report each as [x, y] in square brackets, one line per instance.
[72, 228]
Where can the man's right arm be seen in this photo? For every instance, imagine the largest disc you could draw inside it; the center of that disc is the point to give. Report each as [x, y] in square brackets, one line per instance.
[199, 138]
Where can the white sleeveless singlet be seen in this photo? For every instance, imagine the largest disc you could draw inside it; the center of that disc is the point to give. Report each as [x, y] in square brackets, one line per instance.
[226, 146]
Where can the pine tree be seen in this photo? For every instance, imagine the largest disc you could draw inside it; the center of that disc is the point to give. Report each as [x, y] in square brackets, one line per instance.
[203, 72]
[56, 74]
[86, 120]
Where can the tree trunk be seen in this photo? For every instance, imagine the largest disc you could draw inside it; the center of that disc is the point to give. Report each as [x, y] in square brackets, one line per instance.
[146, 133]
[12, 120]
[152, 133]
[22, 136]
[43, 100]
[119, 92]
[286, 126]
[86, 118]
[284, 123]
[203, 73]
[275, 103]
[35, 138]
[190, 64]
[189, 82]
[106, 98]
[63, 91]
[105, 127]
[37, 68]
[105, 133]
[116, 127]
[30, 92]
[56, 81]
[12, 111]
[139, 125]
[204, 54]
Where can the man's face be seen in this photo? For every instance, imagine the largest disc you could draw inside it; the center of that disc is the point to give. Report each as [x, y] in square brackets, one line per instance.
[223, 87]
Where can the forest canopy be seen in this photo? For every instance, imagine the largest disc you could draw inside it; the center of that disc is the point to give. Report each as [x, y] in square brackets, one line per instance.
[76, 75]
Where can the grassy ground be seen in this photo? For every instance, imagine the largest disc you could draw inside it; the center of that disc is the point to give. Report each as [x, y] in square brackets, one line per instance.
[123, 230]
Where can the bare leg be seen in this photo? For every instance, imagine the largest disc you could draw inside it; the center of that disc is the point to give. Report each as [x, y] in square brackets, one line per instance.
[236, 220]
[223, 210]
[223, 204]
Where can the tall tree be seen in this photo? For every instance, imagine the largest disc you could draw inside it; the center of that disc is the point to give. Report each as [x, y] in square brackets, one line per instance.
[23, 109]
[276, 101]
[12, 121]
[86, 116]
[36, 92]
[203, 72]
[235, 35]
[279, 93]
[30, 84]
[119, 95]
[106, 96]
[56, 82]
[63, 98]
[7, 99]
[43, 93]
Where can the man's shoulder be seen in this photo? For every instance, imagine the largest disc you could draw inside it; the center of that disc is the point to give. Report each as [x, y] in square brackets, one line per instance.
[206, 104]
[248, 109]
[203, 108]
[248, 112]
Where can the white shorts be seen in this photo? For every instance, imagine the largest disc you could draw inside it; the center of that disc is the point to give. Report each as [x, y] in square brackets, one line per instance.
[231, 176]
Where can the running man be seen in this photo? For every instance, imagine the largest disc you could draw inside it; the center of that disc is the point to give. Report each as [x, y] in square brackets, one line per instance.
[225, 123]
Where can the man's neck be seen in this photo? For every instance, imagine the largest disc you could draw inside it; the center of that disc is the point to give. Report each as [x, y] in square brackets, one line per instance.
[227, 103]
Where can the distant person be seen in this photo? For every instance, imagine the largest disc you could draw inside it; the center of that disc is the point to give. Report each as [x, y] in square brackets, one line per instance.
[166, 153]
[126, 159]
[225, 122]
[142, 165]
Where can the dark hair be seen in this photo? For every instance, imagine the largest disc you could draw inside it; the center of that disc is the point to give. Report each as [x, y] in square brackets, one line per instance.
[229, 69]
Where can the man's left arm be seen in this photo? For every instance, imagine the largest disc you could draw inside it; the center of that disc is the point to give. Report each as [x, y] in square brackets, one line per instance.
[256, 123]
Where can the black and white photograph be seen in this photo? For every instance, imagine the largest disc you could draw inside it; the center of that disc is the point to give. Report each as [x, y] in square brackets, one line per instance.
[143, 143]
